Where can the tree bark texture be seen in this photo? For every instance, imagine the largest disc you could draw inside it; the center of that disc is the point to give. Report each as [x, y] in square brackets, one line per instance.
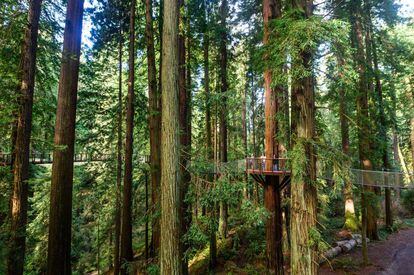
[60, 218]
[351, 222]
[19, 199]
[303, 189]
[185, 130]
[126, 228]
[223, 108]
[154, 102]
[119, 160]
[272, 195]
[170, 147]
[362, 117]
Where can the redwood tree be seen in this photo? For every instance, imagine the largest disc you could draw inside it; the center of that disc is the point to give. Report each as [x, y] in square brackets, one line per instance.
[185, 127]
[19, 199]
[154, 103]
[272, 196]
[350, 218]
[303, 189]
[119, 159]
[126, 228]
[170, 256]
[223, 107]
[60, 218]
[364, 140]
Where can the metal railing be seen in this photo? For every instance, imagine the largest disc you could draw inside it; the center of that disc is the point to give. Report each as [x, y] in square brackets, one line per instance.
[267, 165]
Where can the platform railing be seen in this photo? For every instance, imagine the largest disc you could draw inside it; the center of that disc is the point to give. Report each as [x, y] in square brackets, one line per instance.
[266, 165]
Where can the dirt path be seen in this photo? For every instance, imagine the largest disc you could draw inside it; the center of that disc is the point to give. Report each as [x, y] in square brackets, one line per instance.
[394, 256]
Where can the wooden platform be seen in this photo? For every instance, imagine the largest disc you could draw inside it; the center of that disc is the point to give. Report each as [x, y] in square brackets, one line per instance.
[260, 168]
[268, 172]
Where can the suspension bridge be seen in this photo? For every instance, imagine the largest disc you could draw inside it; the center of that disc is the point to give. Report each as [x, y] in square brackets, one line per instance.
[257, 168]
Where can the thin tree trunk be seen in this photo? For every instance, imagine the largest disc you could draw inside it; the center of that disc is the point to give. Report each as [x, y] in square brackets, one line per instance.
[412, 143]
[154, 102]
[362, 117]
[244, 135]
[253, 118]
[60, 218]
[209, 138]
[351, 222]
[206, 48]
[146, 220]
[19, 200]
[119, 160]
[170, 147]
[185, 131]
[223, 109]
[126, 228]
[364, 227]
[396, 158]
[383, 129]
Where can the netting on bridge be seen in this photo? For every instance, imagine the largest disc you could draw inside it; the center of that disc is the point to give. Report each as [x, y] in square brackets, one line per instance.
[382, 178]
[390, 179]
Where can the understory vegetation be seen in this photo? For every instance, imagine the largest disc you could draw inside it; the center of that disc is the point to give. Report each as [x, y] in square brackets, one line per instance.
[202, 136]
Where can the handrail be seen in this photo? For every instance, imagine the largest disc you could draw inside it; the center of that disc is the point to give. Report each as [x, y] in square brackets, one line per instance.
[46, 158]
[266, 165]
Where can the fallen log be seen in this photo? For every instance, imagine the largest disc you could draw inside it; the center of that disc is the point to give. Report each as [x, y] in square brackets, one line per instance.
[341, 246]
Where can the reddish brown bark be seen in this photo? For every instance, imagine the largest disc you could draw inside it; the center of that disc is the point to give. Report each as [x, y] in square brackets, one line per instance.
[272, 197]
[154, 102]
[185, 130]
[223, 108]
[20, 165]
[383, 126]
[303, 189]
[60, 218]
[126, 228]
[170, 256]
[362, 116]
[119, 161]
[350, 218]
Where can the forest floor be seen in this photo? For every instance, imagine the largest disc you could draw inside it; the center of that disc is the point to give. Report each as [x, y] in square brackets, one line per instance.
[392, 256]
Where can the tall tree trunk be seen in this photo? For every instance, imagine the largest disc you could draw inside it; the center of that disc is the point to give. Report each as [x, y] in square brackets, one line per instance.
[272, 197]
[126, 228]
[362, 118]
[351, 222]
[119, 160]
[170, 147]
[146, 220]
[19, 200]
[154, 102]
[383, 128]
[412, 143]
[223, 108]
[303, 189]
[60, 218]
[396, 157]
[209, 138]
[206, 50]
[244, 135]
[185, 129]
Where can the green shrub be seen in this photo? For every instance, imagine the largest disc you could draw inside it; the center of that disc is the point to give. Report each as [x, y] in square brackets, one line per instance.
[408, 201]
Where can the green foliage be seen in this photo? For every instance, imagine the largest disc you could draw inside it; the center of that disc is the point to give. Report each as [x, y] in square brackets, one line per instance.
[153, 269]
[408, 200]
[196, 237]
[292, 36]
[316, 240]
